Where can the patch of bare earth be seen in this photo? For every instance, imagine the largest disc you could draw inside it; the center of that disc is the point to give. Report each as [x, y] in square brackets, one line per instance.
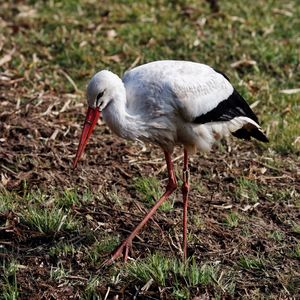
[38, 140]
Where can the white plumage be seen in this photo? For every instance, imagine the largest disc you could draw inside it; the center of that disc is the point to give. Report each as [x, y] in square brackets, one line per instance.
[168, 103]
[158, 102]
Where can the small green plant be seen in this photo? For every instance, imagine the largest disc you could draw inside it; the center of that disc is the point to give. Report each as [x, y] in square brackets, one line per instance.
[198, 221]
[246, 190]
[10, 285]
[253, 263]
[173, 272]
[284, 139]
[200, 187]
[283, 195]
[62, 249]
[115, 198]
[296, 228]
[297, 251]
[49, 220]
[151, 191]
[232, 219]
[90, 292]
[36, 197]
[103, 246]
[58, 273]
[7, 200]
[70, 197]
[277, 235]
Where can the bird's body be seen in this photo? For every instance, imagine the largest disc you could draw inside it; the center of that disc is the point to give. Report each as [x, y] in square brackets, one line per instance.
[163, 102]
[169, 103]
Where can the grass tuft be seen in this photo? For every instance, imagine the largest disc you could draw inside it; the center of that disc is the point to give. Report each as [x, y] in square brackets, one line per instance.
[103, 246]
[9, 285]
[70, 197]
[59, 273]
[90, 292]
[8, 200]
[252, 263]
[49, 220]
[246, 190]
[233, 219]
[277, 236]
[150, 190]
[62, 249]
[297, 251]
[115, 197]
[166, 272]
[296, 228]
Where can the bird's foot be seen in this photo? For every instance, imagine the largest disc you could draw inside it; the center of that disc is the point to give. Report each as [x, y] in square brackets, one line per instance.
[121, 250]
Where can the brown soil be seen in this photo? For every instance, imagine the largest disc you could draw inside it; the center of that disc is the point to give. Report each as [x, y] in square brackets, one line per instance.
[38, 140]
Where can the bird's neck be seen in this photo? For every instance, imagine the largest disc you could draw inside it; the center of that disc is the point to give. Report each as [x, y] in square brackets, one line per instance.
[120, 120]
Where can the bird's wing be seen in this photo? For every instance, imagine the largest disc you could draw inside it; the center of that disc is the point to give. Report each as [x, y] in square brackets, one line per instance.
[215, 102]
[208, 96]
[147, 92]
[198, 92]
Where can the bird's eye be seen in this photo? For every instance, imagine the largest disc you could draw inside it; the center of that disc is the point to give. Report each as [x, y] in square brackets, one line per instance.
[98, 98]
[100, 95]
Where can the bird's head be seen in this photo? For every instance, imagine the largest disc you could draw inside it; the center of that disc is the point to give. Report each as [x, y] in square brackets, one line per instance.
[101, 90]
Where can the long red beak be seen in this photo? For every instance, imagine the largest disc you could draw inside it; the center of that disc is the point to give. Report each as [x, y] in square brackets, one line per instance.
[90, 122]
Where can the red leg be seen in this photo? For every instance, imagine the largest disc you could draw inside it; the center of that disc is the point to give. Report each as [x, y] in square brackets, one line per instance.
[123, 249]
[185, 192]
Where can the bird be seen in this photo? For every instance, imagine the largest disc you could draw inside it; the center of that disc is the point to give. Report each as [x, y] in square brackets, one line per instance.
[168, 103]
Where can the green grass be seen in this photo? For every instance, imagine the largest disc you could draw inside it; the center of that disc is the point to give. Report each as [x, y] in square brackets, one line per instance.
[102, 247]
[296, 228]
[9, 284]
[115, 197]
[171, 272]
[70, 197]
[49, 220]
[91, 292]
[246, 190]
[252, 263]
[62, 249]
[197, 221]
[150, 190]
[297, 251]
[59, 273]
[277, 236]
[233, 219]
[8, 200]
[288, 194]
[40, 212]
[46, 214]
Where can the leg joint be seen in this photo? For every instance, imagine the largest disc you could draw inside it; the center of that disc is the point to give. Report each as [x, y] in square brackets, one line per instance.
[185, 188]
[172, 184]
[186, 175]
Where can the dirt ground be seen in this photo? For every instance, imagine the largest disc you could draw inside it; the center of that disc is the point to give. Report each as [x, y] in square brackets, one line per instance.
[38, 140]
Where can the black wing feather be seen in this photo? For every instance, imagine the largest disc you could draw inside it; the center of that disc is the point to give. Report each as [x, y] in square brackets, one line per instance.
[246, 134]
[234, 106]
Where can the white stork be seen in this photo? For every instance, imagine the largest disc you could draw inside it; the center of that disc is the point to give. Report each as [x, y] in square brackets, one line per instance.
[168, 103]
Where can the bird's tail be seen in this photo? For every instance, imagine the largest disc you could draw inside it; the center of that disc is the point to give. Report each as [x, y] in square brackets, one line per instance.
[240, 127]
[246, 134]
[245, 128]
